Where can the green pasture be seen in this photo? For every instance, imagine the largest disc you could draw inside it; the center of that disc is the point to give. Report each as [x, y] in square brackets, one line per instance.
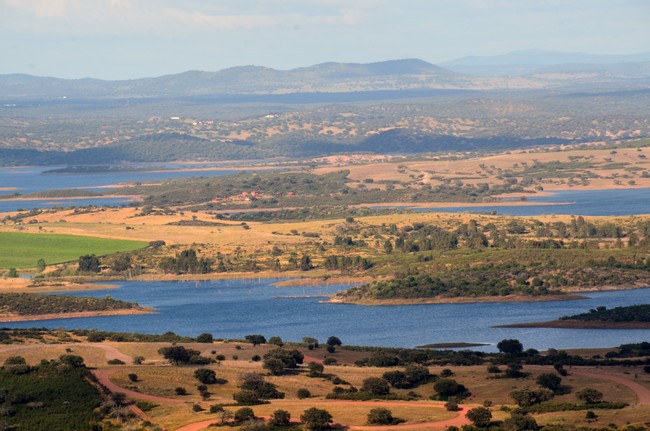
[23, 250]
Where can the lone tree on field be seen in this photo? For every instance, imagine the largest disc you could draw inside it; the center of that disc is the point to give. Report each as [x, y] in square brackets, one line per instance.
[510, 347]
[316, 419]
[480, 416]
[255, 339]
[590, 395]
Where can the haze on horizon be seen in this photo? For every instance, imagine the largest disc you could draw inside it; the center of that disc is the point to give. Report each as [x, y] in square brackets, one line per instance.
[125, 39]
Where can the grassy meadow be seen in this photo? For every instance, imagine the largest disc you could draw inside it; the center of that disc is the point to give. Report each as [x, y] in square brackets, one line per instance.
[23, 250]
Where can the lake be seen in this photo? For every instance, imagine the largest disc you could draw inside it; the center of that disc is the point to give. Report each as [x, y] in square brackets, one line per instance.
[615, 202]
[34, 179]
[235, 308]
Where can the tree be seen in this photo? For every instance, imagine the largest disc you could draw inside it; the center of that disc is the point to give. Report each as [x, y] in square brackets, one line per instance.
[315, 369]
[121, 263]
[280, 418]
[133, 377]
[275, 366]
[480, 416]
[396, 378]
[316, 419]
[88, 263]
[550, 381]
[375, 386]
[380, 416]
[305, 263]
[205, 376]
[310, 341]
[510, 347]
[244, 414]
[528, 397]
[446, 388]
[204, 338]
[255, 339]
[73, 361]
[276, 341]
[334, 341]
[303, 393]
[41, 265]
[590, 395]
[11, 273]
[255, 383]
[178, 355]
[520, 422]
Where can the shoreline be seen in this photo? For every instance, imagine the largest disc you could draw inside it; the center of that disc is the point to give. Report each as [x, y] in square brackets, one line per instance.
[457, 300]
[578, 324]
[76, 315]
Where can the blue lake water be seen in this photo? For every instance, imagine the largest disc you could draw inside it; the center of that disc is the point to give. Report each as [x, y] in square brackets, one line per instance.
[33, 179]
[234, 308]
[580, 202]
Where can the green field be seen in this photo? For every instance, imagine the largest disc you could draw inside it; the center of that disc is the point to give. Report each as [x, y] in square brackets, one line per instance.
[23, 250]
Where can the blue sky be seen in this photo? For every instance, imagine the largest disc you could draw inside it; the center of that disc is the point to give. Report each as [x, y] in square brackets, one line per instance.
[122, 39]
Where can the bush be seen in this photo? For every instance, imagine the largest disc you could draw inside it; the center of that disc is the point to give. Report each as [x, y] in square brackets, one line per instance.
[280, 418]
[380, 416]
[550, 381]
[205, 338]
[316, 419]
[590, 396]
[133, 377]
[115, 362]
[180, 390]
[446, 388]
[376, 386]
[315, 369]
[303, 393]
[256, 358]
[452, 405]
[446, 373]
[480, 416]
[197, 408]
[205, 376]
[330, 361]
[244, 414]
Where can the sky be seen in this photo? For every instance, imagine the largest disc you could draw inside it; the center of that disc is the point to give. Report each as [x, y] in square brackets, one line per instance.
[127, 39]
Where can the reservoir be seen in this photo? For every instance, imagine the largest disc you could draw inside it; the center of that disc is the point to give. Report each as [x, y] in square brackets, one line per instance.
[235, 308]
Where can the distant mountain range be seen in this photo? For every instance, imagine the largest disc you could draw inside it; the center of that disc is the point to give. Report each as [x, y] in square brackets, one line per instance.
[517, 70]
[534, 62]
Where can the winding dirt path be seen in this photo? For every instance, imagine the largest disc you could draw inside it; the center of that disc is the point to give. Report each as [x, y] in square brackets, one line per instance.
[103, 377]
[642, 393]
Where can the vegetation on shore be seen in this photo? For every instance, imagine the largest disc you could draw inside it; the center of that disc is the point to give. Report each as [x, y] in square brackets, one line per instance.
[27, 304]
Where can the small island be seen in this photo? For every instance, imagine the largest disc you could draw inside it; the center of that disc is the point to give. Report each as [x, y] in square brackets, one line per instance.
[630, 317]
[16, 307]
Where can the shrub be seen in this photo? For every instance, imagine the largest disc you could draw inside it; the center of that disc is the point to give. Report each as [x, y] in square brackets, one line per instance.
[204, 338]
[315, 369]
[446, 373]
[244, 414]
[303, 393]
[376, 386]
[316, 419]
[280, 418]
[446, 388]
[197, 408]
[480, 416]
[180, 390]
[138, 360]
[133, 377]
[206, 376]
[590, 396]
[380, 416]
[330, 361]
[452, 405]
